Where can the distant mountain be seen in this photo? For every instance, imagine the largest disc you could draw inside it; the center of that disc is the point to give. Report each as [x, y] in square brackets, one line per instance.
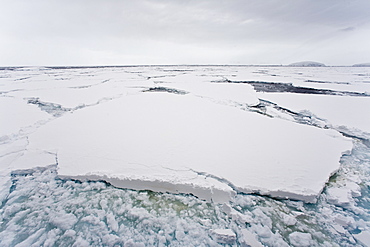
[307, 64]
[361, 65]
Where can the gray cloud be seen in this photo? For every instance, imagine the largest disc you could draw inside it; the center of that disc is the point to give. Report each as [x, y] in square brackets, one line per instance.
[166, 31]
[347, 29]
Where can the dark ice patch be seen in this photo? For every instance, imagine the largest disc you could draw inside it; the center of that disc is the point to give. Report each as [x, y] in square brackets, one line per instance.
[178, 70]
[54, 109]
[328, 82]
[23, 78]
[277, 87]
[166, 90]
[10, 68]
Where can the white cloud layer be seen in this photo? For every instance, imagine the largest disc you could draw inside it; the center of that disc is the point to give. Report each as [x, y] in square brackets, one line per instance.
[111, 32]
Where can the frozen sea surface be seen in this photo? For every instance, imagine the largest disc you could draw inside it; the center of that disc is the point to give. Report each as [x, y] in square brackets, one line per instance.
[198, 156]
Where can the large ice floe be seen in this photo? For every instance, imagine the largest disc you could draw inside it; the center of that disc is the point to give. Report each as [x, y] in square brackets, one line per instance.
[184, 155]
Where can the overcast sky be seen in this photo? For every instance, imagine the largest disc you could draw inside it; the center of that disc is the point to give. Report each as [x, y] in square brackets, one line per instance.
[125, 32]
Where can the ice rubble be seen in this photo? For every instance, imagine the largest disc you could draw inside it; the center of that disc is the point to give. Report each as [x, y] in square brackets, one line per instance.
[300, 239]
[44, 211]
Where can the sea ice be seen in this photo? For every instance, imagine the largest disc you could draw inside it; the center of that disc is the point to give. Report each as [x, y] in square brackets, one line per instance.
[212, 140]
[352, 112]
[16, 114]
[156, 139]
[363, 237]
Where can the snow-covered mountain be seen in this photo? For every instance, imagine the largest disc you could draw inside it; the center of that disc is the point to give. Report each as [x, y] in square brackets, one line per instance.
[307, 64]
[361, 65]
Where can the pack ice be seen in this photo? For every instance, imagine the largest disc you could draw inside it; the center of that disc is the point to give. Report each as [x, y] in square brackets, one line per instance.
[168, 130]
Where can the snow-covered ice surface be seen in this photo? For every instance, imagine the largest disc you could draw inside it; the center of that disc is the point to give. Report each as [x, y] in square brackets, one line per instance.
[185, 156]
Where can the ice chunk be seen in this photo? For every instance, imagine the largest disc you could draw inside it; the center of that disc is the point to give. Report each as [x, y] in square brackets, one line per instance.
[224, 236]
[363, 237]
[167, 142]
[344, 221]
[249, 240]
[343, 195]
[339, 228]
[300, 239]
[289, 220]
[64, 220]
[131, 243]
[339, 196]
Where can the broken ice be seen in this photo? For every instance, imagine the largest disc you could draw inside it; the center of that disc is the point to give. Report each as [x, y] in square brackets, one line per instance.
[218, 133]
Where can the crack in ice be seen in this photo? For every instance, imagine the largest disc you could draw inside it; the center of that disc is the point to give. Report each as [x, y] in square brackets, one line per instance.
[277, 87]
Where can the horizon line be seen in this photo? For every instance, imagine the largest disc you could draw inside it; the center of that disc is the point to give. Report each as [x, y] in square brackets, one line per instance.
[168, 65]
